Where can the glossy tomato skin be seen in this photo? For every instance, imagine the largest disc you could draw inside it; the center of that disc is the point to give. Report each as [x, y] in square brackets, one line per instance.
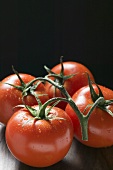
[39, 143]
[11, 97]
[73, 84]
[100, 127]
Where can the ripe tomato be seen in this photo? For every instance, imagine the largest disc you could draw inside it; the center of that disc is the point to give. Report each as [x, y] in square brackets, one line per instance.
[100, 124]
[11, 96]
[72, 84]
[39, 143]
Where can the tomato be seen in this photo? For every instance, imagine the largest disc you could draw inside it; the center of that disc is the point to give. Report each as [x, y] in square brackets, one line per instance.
[11, 96]
[100, 123]
[39, 143]
[72, 84]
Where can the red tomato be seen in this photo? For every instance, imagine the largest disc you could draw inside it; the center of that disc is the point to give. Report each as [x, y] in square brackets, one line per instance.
[100, 126]
[72, 84]
[11, 97]
[39, 143]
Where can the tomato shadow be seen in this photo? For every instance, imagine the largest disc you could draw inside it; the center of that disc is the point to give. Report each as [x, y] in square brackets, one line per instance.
[2, 132]
[92, 158]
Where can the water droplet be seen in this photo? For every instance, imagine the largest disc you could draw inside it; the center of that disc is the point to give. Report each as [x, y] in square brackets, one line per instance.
[19, 99]
[109, 130]
[60, 121]
[25, 118]
[67, 139]
[102, 119]
[39, 130]
[93, 131]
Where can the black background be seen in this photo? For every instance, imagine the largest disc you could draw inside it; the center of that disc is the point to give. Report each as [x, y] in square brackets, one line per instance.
[37, 32]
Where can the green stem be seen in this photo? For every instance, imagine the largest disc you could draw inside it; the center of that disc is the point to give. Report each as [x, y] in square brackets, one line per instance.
[82, 118]
[48, 102]
[84, 127]
[95, 104]
[64, 92]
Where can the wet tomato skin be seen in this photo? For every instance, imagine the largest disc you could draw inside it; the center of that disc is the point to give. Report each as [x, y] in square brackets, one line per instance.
[100, 126]
[39, 143]
[11, 97]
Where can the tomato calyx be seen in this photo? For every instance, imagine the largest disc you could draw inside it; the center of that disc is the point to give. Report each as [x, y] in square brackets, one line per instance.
[23, 87]
[43, 112]
[104, 103]
[59, 78]
[26, 88]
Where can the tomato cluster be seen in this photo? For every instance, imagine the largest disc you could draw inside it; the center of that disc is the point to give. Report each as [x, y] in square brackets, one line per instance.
[43, 114]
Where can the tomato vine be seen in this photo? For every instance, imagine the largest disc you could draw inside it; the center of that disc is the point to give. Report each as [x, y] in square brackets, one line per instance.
[83, 118]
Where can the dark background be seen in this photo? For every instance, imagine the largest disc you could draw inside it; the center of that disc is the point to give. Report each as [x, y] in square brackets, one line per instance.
[37, 32]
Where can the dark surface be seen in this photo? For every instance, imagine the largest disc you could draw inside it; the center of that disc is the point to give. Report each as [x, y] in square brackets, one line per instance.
[79, 157]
